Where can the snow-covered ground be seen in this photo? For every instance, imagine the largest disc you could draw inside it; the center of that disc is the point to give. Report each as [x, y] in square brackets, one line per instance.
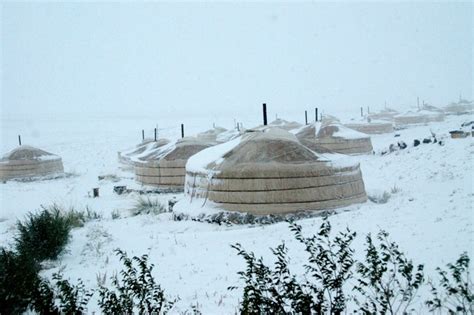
[429, 214]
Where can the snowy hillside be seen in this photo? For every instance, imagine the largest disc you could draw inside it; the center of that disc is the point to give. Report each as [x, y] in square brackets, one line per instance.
[429, 213]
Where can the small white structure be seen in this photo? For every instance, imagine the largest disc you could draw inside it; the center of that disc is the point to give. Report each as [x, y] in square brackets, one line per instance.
[29, 162]
[270, 172]
[330, 136]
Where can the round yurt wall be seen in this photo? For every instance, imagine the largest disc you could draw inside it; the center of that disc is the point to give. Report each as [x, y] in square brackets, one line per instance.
[270, 172]
[166, 167]
[27, 161]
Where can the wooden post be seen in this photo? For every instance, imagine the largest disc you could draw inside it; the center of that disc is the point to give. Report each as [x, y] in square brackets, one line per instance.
[19, 140]
[155, 134]
[305, 117]
[316, 114]
[143, 135]
[361, 112]
[95, 192]
[182, 130]
[264, 114]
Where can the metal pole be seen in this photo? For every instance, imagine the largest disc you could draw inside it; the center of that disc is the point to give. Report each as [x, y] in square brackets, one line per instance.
[19, 139]
[264, 114]
[182, 130]
[143, 134]
[316, 114]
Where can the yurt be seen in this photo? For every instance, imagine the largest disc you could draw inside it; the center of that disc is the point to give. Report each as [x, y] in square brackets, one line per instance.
[385, 114]
[284, 124]
[270, 172]
[419, 117]
[142, 151]
[370, 126]
[280, 123]
[26, 161]
[330, 136]
[166, 166]
[460, 108]
[212, 134]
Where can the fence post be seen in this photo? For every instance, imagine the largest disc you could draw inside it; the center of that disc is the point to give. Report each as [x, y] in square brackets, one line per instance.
[264, 114]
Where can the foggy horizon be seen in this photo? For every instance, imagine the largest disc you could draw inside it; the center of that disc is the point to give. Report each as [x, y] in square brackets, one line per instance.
[228, 58]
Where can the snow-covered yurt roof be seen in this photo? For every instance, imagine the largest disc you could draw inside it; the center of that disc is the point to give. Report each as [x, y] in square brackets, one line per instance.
[143, 151]
[419, 116]
[330, 136]
[385, 114]
[269, 171]
[26, 152]
[28, 161]
[211, 134]
[370, 126]
[280, 123]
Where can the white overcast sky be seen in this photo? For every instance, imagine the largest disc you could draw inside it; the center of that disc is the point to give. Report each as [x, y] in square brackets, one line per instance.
[228, 58]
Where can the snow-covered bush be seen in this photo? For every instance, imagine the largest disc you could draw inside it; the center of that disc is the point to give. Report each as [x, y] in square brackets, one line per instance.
[379, 197]
[44, 235]
[276, 291]
[136, 291]
[387, 281]
[71, 299]
[455, 292]
[147, 206]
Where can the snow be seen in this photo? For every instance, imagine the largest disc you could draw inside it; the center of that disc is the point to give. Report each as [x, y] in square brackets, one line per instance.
[347, 133]
[198, 163]
[429, 212]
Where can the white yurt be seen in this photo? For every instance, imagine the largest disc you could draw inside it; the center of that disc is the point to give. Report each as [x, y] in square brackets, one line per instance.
[460, 108]
[141, 151]
[422, 116]
[270, 172]
[384, 114]
[212, 134]
[166, 166]
[280, 123]
[27, 161]
[370, 126]
[333, 137]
